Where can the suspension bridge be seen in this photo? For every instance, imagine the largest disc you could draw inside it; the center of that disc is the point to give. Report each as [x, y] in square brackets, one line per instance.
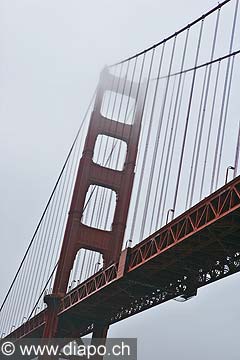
[146, 207]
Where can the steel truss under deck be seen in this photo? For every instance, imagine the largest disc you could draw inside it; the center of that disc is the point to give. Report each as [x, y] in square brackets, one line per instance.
[197, 248]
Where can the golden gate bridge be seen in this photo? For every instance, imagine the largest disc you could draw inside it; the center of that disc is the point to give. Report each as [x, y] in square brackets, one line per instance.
[146, 206]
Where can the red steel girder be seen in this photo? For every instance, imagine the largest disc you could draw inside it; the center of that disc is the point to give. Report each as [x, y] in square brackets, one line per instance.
[78, 235]
[208, 213]
[218, 205]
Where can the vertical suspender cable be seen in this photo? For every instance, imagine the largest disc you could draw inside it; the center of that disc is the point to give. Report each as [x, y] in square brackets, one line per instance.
[145, 153]
[225, 120]
[191, 179]
[216, 163]
[209, 131]
[187, 120]
[205, 104]
[236, 162]
[156, 145]
[174, 119]
[169, 166]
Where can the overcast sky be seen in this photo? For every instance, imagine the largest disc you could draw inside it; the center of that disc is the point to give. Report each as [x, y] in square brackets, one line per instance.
[51, 55]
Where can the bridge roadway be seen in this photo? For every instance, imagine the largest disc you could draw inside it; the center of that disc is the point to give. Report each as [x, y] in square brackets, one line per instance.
[197, 248]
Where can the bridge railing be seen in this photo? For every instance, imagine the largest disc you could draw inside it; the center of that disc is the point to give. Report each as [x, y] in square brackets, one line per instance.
[189, 147]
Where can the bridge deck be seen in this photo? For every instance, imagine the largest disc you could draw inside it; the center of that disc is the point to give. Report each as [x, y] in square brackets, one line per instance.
[199, 247]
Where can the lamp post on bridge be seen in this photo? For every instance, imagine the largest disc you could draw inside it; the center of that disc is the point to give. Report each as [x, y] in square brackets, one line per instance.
[227, 172]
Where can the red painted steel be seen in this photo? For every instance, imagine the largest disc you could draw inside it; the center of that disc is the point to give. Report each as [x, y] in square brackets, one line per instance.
[198, 228]
[194, 220]
[202, 215]
[78, 235]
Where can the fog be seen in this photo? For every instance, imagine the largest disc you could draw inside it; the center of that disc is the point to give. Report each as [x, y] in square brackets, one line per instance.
[51, 55]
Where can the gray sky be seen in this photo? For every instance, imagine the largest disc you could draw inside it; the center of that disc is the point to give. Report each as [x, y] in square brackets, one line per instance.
[51, 55]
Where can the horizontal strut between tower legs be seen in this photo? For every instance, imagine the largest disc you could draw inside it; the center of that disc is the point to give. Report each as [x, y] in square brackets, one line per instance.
[113, 83]
[92, 239]
[105, 127]
[129, 133]
[105, 177]
[118, 84]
